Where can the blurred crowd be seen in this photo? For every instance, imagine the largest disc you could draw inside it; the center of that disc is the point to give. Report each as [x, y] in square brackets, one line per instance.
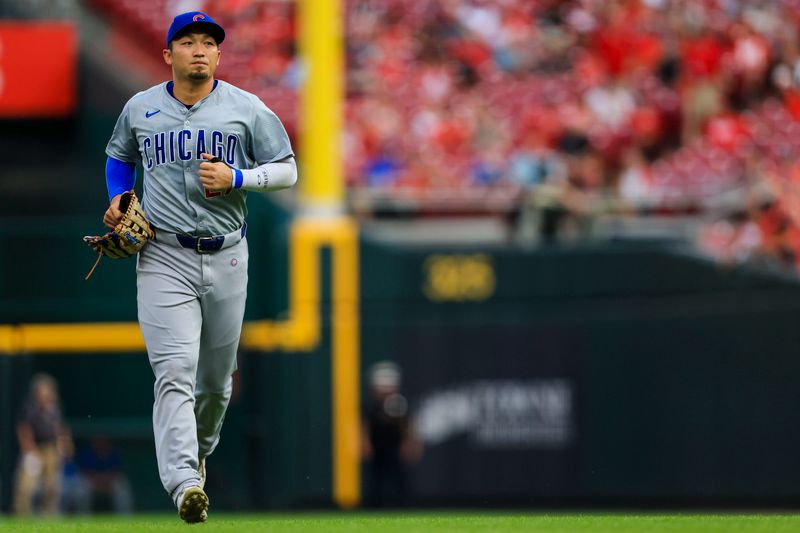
[591, 106]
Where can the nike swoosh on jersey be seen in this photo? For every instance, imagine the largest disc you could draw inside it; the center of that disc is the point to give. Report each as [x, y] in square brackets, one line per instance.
[148, 114]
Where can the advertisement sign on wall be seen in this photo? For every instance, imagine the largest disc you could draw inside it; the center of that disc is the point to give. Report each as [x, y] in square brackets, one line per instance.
[496, 413]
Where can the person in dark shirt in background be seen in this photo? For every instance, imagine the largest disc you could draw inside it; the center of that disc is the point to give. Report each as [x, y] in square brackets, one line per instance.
[388, 441]
[42, 437]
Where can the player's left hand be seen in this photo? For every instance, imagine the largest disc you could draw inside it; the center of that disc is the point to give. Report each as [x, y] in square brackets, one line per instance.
[215, 176]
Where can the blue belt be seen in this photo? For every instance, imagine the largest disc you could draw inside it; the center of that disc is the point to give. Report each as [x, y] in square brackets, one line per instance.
[205, 245]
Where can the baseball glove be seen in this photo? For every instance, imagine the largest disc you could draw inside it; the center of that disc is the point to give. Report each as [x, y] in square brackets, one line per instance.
[127, 238]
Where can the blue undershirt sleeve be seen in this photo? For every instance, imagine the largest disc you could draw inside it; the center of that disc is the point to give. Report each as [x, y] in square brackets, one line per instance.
[120, 176]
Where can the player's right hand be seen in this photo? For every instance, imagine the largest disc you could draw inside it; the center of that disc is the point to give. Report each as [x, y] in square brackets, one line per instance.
[113, 215]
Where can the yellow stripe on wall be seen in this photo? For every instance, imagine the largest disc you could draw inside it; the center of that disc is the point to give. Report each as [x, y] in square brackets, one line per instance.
[9, 339]
[96, 337]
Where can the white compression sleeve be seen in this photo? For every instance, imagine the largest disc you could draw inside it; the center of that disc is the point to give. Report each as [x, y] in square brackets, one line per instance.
[267, 177]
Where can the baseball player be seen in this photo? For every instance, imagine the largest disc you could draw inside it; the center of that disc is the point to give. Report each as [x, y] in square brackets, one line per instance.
[202, 144]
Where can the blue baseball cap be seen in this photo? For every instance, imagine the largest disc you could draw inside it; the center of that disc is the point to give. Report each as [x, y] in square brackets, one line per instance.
[195, 19]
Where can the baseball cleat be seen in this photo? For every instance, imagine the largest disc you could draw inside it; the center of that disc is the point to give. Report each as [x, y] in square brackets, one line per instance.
[193, 505]
[201, 469]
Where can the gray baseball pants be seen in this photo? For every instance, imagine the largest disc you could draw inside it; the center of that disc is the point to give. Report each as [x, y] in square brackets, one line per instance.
[191, 308]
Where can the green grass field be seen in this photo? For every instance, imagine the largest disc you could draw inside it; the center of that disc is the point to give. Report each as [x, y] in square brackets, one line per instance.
[423, 522]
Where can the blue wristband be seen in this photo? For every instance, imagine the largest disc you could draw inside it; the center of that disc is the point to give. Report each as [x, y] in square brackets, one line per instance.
[238, 178]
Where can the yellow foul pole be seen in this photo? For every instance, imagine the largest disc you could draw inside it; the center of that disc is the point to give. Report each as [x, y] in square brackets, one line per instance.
[322, 52]
[322, 198]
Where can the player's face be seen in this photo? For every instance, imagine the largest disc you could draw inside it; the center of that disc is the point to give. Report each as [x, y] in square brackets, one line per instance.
[194, 57]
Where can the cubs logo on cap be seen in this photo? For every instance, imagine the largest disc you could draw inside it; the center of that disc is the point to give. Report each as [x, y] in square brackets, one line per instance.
[191, 20]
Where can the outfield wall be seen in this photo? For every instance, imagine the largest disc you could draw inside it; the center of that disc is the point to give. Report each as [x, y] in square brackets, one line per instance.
[592, 374]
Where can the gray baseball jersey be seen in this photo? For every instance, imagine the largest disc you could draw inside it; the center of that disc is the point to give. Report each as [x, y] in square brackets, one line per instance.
[168, 139]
